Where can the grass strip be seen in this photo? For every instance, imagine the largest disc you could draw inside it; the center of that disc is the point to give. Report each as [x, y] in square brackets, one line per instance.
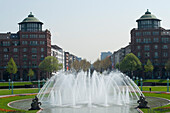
[4, 101]
[162, 109]
[18, 91]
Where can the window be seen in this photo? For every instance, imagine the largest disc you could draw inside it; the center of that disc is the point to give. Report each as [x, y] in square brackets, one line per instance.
[15, 43]
[24, 36]
[165, 47]
[34, 56]
[42, 49]
[34, 50]
[33, 36]
[146, 33]
[15, 56]
[42, 42]
[155, 39]
[165, 54]
[24, 49]
[139, 55]
[41, 36]
[6, 43]
[34, 63]
[138, 33]
[33, 43]
[24, 57]
[24, 42]
[15, 49]
[155, 32]
[6, 57]
[156, 54]
[165, 40]
[138, 40]
[146, 48]
[42, 57]
[156, 47]
[147, 54]
[6, 50]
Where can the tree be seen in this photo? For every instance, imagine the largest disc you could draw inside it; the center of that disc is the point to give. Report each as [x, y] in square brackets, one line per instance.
[11, 68]
[30, 73]
[167, 67]
[50, 64]
[106, 63]
[130, 63]
[76, 65]
[117, 66]
[148, 67]
[84, 65]
[97, 65]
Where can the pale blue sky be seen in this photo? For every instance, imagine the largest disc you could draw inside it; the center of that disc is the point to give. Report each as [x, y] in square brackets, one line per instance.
[84, 27]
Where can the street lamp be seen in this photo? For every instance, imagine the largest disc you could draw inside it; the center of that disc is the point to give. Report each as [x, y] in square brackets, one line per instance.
[167, 84]
[9, 82]
[133, 78]
[38, 85]
[12, 87]
[43, 82]
[141, 83]
[137, 81]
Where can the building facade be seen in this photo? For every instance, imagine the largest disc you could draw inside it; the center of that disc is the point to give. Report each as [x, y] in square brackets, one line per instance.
[119, 55]
[58, 52]
[150, 41]
[28, 47]
[105, 54]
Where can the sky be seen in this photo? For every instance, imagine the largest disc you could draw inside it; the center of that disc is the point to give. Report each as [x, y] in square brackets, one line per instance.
[84, 28]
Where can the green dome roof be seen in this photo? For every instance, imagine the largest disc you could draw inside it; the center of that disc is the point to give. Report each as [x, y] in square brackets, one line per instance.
[148, 16]
[30, 19]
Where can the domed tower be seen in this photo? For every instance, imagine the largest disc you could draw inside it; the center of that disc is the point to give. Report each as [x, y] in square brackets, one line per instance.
[150, 41]
[148, 21]
[30, 24]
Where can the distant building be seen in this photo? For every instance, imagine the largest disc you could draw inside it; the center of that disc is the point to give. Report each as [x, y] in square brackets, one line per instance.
[150, 41]
[66, 61]
[119, 55]
[58, 52]
[28, 47]
[105, 54]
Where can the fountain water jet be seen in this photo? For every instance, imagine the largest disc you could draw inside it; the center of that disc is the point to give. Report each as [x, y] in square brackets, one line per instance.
[81, 89]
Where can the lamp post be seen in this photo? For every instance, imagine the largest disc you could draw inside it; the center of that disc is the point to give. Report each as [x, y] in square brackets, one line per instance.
[9, 83]
[137, 81]
[133, 78]
[12, 87]
[43, 82]
[38, 85]
[167, 84]
[141, 83]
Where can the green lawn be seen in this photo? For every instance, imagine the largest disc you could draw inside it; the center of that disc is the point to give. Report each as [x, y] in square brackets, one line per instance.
[154, 88]
[20, 83]
[5, 101]
[18, 91]
[158, 109]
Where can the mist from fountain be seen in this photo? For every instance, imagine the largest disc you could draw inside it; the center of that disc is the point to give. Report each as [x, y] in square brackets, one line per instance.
[82, 89]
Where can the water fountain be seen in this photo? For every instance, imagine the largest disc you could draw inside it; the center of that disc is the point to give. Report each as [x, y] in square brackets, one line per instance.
[82, 90]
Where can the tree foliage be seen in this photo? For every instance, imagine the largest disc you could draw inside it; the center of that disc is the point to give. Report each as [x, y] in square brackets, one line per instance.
[97, 65]
[82, 65]
[50, 64]
[30, 73]
[130, 63]
[11, 67]
[101, 65]
[148, 67]
[117, 66]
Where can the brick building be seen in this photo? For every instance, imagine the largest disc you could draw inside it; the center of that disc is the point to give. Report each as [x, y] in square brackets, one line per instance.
[28, 47]
[151, 41]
